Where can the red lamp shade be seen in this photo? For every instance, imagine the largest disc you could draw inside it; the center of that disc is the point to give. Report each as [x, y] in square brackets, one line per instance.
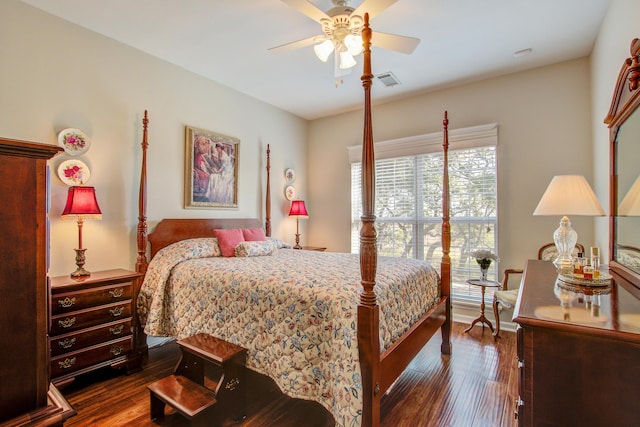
[82, 201]
[298, 209]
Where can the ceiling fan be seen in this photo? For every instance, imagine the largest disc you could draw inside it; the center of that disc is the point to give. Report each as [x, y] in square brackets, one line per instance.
[341, 27]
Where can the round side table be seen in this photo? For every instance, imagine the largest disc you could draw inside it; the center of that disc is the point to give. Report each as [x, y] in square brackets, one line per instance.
[483, 285]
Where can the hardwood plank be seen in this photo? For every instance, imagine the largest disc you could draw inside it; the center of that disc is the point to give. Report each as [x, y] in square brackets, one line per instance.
[474, 386]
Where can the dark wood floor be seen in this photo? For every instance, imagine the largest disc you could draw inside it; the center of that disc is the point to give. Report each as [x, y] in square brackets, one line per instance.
[475, 386]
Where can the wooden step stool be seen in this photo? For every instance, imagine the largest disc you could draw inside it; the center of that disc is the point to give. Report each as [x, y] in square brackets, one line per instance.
[186, 390]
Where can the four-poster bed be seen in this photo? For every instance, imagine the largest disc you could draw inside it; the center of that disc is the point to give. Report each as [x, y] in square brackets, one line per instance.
[366, 291]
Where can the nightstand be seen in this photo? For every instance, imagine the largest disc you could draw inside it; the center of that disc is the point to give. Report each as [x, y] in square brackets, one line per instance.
[314, 248]
[90, 323]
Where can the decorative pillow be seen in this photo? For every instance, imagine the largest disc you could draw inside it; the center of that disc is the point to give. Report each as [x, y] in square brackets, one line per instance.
[279, 244]
[254, 248]
[228, 240]
[253, 234]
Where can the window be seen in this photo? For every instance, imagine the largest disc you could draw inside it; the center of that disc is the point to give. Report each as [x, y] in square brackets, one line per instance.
[408, 206]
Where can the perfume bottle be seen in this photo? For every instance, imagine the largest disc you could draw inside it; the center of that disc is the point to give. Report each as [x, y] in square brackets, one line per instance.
[578, 263]
[587, 271]
[595, 257]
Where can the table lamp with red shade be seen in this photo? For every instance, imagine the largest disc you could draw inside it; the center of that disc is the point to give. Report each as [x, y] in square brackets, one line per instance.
[81, 204]
[298, 210]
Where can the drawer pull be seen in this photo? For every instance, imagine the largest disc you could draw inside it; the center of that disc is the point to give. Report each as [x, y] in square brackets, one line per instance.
[67, 323]
[116, 311]
[519, 404]
[116, 350]
[67, 302]
[116, 293]
[67, 363]
[116, 330]
[67, 343]
[520, 364]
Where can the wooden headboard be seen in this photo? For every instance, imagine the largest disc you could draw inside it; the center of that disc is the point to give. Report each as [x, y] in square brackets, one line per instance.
[170, 230]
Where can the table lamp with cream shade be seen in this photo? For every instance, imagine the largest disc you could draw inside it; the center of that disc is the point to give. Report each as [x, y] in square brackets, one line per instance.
[567, 195]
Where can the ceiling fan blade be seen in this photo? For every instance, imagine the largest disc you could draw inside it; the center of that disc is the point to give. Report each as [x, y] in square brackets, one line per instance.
[394, 42]
[288, 47]
[372, 7]
[307, 8]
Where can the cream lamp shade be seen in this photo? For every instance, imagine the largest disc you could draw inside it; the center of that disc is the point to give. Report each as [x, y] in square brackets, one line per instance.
[630, 205]
[567, 195]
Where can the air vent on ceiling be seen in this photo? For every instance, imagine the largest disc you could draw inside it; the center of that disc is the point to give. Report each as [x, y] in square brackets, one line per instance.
[388, 79]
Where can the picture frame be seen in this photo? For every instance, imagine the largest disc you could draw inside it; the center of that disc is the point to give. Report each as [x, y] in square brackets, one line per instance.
[211, 169]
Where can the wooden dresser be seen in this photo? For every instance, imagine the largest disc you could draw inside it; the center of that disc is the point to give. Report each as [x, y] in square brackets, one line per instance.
[26, 395]
[91, 323]
[583, 370]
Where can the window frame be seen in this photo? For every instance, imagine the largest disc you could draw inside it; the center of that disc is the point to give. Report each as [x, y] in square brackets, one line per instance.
[459, 139]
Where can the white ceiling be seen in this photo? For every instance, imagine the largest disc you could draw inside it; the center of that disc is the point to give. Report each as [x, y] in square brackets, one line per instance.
[228, 40]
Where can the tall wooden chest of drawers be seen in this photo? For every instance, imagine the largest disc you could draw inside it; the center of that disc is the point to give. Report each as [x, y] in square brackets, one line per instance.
[26, 395]
[91, 323]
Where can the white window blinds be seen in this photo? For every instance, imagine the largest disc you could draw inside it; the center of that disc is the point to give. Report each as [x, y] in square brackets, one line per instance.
[408, 203]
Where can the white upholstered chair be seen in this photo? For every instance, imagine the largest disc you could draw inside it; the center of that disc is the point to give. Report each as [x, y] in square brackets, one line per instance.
[506, 297]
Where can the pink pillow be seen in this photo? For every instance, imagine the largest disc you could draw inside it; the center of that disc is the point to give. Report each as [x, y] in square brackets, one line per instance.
[253, 234]
[228, 240]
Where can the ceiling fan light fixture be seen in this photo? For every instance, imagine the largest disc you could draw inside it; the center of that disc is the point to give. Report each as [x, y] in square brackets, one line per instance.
[323, 50]
[346, 60]
[353, 44]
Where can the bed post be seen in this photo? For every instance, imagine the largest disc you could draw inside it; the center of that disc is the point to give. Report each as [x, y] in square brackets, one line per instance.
[267, 218]
[445, 265]
[141, 262]
[140, 338]
[368, 311]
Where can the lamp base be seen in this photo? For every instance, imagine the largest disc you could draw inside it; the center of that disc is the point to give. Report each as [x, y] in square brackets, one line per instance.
[565, 239]
[80, 259]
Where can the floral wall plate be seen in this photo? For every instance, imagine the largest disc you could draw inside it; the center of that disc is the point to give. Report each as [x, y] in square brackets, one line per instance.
[73, 172]
[74, 141]
[290, 192]
[290, 175]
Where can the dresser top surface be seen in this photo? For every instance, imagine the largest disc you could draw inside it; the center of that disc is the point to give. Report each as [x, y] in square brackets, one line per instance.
[96, 278]
[548, 302]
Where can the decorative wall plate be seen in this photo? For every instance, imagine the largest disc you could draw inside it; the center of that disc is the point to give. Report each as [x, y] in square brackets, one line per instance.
[74, 141]
[290, 192]
[73, 172]
[290, 175]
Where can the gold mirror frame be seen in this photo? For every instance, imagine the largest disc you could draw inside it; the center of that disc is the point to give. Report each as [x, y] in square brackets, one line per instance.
[625, 102]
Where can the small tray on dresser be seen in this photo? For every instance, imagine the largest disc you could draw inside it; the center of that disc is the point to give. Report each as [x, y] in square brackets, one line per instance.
[574, 279]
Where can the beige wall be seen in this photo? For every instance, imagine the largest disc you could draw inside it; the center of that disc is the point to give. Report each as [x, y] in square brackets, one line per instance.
[56, 75]
[544, 130]
[619, 28]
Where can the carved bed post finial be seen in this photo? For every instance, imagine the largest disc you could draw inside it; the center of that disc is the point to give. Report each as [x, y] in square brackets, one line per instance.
[267, 219]
[141, 262]
[368, 251]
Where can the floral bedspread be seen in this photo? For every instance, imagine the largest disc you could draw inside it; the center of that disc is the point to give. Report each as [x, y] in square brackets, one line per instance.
[295, 311]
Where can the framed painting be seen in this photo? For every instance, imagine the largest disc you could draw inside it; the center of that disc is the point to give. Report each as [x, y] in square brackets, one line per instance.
[211, 170]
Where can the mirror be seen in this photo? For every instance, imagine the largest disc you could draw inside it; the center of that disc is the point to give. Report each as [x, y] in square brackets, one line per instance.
[627, 156]
[624, 123]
